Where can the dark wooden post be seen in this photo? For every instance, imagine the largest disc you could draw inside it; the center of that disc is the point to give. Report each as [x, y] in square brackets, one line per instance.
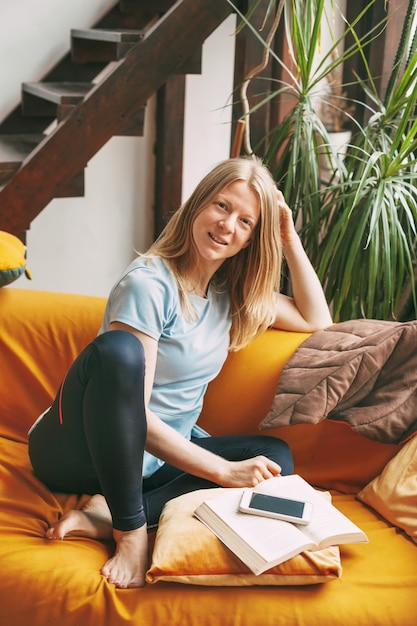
[248, 55]
[169, 149]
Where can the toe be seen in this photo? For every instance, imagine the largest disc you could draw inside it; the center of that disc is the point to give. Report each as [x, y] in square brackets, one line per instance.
[50, 533]
[135, 582]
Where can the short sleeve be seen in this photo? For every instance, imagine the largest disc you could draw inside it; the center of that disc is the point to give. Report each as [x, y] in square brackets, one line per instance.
[143, 299]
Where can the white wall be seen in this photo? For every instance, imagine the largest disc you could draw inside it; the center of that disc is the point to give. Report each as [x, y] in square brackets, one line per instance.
[81, 245]
[34, 35]
[208, 114]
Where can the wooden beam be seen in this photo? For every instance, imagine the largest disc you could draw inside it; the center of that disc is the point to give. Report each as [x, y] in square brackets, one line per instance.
[169, 149]
[248, 55]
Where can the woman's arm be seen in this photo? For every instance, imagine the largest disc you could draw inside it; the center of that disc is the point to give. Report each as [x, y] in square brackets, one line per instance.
[307, 310]
[167, 444]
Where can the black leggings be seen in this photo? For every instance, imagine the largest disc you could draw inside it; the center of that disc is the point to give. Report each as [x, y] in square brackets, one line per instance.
[93, 437]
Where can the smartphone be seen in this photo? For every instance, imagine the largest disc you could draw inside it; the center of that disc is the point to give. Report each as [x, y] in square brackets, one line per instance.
[278, 508]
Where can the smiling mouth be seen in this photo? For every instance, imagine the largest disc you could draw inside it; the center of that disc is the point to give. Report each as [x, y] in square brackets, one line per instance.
[219, 241]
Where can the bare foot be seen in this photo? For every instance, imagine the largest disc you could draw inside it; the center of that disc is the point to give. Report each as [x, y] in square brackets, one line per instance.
[127, 568]
[97, 507]
[93, 521]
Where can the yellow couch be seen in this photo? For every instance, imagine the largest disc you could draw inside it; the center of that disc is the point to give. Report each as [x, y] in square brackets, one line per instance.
[44, 582]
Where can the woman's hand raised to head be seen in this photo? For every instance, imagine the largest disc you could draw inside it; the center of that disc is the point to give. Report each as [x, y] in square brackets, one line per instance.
[288, 231]
[306, 310]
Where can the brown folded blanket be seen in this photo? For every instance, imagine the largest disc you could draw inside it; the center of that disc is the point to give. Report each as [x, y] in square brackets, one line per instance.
[363, 372]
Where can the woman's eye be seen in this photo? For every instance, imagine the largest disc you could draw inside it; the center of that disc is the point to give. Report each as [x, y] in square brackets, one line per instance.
[222, 205]
[246, 221]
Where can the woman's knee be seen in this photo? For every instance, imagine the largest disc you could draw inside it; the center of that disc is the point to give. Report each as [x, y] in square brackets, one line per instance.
[279, 451]
[121, 352]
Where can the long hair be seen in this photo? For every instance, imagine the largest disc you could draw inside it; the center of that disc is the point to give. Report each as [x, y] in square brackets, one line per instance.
[253, 275]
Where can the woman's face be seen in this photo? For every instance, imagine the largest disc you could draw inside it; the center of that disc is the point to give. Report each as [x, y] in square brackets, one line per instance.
[226, 225]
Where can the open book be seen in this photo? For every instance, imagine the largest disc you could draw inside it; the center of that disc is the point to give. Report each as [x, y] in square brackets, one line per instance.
[261, 542]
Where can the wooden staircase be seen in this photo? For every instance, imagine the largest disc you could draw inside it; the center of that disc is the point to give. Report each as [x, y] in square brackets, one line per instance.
[99, 90]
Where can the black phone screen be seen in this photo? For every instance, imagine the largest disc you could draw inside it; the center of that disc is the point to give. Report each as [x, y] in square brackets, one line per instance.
[274, 504]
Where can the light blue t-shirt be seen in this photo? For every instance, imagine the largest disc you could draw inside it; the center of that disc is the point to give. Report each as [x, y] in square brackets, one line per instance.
[191, 352]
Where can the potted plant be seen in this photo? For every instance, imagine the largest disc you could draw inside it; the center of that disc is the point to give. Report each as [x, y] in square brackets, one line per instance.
[359, 228]
[368, 254]
[296, 143]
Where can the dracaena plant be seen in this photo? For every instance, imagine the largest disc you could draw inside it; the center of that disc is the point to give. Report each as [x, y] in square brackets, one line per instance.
[368, 253]
[359, 229]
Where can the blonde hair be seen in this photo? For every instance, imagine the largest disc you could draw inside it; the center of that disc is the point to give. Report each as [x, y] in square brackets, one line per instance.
[253, 275]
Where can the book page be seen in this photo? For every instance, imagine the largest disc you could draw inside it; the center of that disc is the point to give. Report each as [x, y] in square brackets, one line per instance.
[328, 526]
[270, 538]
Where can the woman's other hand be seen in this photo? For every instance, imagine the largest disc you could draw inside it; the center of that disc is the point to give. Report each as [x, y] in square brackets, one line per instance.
[250, 472]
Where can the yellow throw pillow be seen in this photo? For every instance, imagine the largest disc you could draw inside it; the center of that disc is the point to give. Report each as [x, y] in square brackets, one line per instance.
[12, 259]
[187, 552]
[393, 494]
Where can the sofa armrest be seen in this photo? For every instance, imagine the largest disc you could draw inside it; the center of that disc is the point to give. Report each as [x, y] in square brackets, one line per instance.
[41, 333]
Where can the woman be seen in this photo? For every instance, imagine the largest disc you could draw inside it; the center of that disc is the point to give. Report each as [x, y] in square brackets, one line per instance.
[122, 426]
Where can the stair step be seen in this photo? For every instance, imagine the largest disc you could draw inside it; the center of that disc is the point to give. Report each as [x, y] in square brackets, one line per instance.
[57, 99]
[13, 151]
[102, 45]
[106, 45]
[115, 35]
[58, 93]
[48, 98]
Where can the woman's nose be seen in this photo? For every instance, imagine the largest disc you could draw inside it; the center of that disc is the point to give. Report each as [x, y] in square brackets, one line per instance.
[228, 223]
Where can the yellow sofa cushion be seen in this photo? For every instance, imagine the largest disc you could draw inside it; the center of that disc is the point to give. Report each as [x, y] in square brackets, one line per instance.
[186, 551]
[45, 582]
[393, 494]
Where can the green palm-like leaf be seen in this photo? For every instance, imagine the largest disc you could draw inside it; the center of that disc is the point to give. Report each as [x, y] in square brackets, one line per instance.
[360, 228]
